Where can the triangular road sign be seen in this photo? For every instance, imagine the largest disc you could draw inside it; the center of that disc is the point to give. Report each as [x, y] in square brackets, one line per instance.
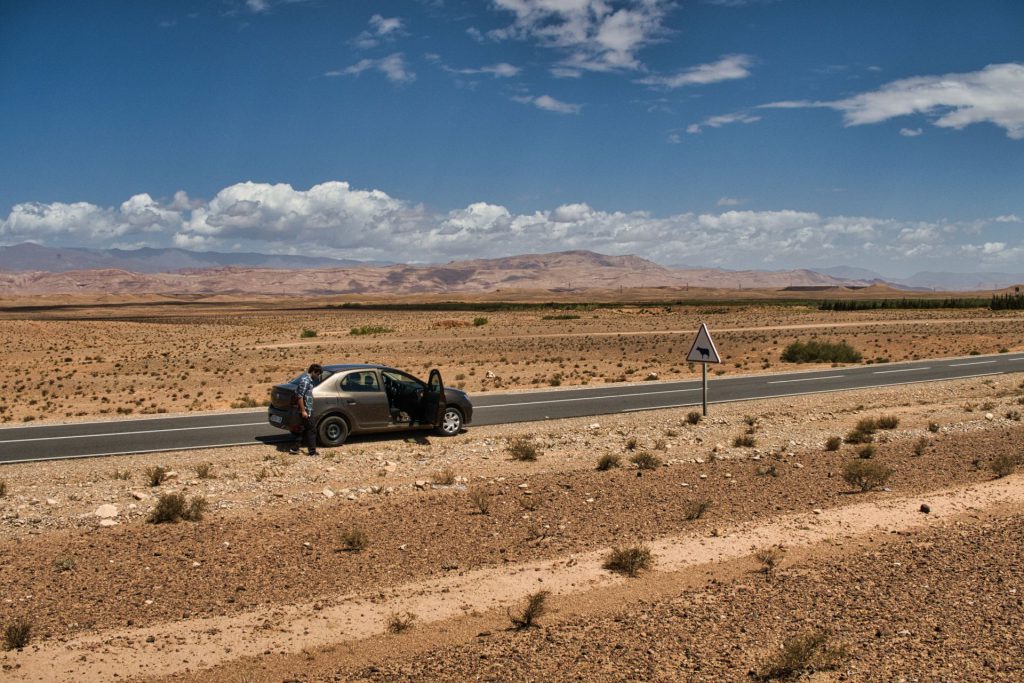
[703, 349]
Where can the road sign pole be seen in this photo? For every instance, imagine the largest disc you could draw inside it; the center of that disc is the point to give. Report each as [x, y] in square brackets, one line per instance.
[704, 377]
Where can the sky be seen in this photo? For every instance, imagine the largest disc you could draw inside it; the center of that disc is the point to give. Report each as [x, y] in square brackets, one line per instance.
[741, 134]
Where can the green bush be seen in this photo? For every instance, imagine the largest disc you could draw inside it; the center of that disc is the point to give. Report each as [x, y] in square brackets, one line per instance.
[479, 322]
[866, 474]
[307, 333]
[369, 329]
[820, 352]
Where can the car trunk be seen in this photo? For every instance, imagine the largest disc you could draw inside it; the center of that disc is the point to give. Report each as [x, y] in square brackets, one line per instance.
[282, 396]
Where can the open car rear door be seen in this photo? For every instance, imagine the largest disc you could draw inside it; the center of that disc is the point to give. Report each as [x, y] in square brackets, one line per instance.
[434, 403]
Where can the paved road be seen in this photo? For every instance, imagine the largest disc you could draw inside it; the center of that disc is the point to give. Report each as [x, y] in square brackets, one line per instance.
[146, 435]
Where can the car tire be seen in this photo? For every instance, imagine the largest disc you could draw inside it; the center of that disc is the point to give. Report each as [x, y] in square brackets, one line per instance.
[451, 422]
[333, 430]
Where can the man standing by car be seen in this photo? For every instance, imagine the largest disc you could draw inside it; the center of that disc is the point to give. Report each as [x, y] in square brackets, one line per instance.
[304, 396]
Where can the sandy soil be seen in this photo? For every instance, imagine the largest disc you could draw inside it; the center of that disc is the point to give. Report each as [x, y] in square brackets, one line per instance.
[263, 589]
[73, 364]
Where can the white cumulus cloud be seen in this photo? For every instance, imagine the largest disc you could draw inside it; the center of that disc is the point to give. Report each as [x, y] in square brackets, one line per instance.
[335, 219]
[994, 95]
[592, 35]
[728, 68]
[548, 103]
[393, 67]
[721, 120]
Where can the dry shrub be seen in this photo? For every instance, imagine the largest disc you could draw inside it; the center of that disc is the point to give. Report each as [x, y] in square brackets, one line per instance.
[400, 623]
[804, 653]
[866, 474]
[645, 460]
[445, 477]
[921, 445]
[859, 436]
[481, 498]
[171, 507]
[888, 422]
[933, 427]
[452, 323]
[608, 461]
[693, 417]
[866, 452]
[523, 449]
[156, 475]
[17, 634]
[630, 560]
[354, 540]
[1004, 464]
[695, 509]
[534, 609]
[204, 470]
[744, 441]
[3, 488]
[833, 443]
[770, 558]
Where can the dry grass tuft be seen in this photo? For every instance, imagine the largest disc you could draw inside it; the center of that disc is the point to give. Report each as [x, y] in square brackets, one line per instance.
[630, 560]
[400, 623]
[645, 460]
[695, 509]
[805, 653]
[204, 470]
[534, 609]
[156, 475]
[833, 443]
[354, 540]
[608, 461]
[770, 558]
[17, 634]
[481, 499]
[171, 507]
[445, 477]
[523, 449]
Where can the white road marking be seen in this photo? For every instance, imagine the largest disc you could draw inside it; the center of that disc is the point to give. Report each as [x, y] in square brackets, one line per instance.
[977, 362]
[583, 398]
[821, 391]
[145, 431]
[889, 372]
[805, 379]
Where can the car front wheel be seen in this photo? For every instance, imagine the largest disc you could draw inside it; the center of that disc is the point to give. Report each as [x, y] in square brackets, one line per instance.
[333, 431]
[451, 422]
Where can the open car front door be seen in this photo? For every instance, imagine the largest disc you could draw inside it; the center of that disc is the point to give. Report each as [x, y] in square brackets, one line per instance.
[434, 403]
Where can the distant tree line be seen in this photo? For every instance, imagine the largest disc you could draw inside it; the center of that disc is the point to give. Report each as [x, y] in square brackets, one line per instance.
[875, 304]
[1007, 302]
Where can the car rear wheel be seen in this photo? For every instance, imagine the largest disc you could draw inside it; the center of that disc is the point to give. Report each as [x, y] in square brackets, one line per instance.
[333, 431]
[451, 422]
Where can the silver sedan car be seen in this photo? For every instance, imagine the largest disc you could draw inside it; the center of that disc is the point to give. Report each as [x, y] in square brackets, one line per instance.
[357, 399]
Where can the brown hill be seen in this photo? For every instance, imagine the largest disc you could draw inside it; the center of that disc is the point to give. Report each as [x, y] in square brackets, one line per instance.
[557, 272]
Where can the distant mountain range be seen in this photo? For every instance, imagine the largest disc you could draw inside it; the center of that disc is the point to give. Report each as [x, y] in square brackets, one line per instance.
[28, 256]
[34, 269]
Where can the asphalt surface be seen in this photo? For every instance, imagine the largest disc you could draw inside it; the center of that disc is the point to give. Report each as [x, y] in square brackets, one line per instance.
[249, 427]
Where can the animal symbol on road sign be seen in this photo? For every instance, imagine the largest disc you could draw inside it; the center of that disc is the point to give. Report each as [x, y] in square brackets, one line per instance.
[704, 353]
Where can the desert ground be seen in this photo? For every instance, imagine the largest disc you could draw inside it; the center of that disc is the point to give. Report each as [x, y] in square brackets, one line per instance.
[395, 558]
[405, 559]
[112, 358]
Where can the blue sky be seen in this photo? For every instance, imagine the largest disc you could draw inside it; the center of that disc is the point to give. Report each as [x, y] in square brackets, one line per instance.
[732, 133]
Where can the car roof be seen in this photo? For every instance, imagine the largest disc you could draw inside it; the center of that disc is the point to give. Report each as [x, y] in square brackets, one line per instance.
[338, 367]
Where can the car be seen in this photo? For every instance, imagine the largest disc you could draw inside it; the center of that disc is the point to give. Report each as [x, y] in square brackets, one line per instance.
[368, 398]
